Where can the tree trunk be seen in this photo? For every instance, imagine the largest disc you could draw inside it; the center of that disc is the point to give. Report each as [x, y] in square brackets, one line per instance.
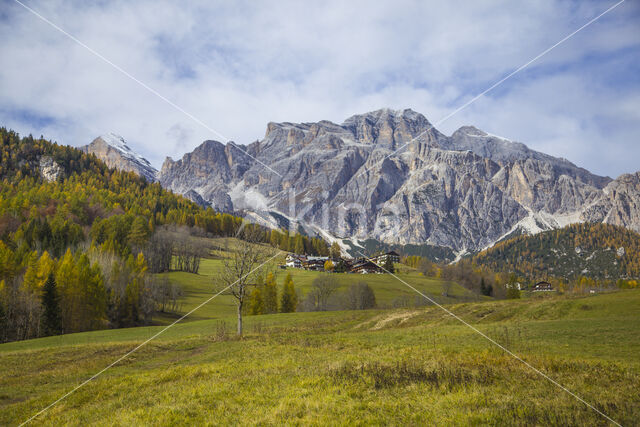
[239, 319]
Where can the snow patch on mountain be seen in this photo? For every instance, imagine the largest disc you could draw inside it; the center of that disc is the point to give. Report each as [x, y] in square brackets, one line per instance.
[118, 142]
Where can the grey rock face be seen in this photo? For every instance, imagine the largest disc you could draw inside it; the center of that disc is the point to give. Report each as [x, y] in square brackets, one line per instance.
[113, 150]
[221, 202]
[620, 204]
[49, 169]
[196, 198]
[390, 175]
[212, 167]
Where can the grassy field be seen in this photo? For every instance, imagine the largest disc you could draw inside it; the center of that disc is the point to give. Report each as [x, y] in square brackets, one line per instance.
[417, 366]
[198, 287]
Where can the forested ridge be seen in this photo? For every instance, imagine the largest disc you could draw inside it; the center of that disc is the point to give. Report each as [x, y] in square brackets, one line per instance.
[77, 245]
[593, 250]
[74, 250]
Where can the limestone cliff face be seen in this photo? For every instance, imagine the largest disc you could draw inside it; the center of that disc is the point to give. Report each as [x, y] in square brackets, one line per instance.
[390, 175]
[113, 150]
[49, 169]
[211, 171]
[620, 204]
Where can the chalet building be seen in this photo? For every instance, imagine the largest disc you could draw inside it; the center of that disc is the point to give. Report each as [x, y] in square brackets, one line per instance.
[542, 287]
[315, 263]
[382, 258]
[364, 266]
[294, 261]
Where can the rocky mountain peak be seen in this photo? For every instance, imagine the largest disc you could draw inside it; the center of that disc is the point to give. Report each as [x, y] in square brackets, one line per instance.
[386, 116]
[168, 161]
[468, 131]
[114, 151]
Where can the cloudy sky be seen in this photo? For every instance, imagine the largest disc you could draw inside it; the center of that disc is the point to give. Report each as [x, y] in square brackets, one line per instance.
[237, 65]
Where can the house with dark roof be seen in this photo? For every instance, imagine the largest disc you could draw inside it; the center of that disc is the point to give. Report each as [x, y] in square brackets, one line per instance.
[542, 286]
[364, 266]
[315, 263]
[382, 258]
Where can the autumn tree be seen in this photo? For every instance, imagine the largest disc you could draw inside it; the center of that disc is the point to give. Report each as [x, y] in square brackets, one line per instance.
[289, 298]
[82, 292]
[425, 267]
[256, 301]
[298, 245]
[38, 272]
[512, 288]
[270, 292]
[328, 265]
[335, 251]
[139, 232]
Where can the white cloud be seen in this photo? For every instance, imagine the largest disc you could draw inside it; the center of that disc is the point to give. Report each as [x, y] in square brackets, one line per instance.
[238, 65]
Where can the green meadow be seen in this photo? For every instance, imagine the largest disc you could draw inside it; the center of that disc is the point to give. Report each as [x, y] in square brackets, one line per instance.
[198, 287]
[383, 366]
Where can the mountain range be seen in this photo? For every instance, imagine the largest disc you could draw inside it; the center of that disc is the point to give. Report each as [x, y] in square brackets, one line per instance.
[391, 176]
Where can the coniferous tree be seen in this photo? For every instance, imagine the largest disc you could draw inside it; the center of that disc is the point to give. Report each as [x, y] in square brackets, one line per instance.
[298, 245]
[139, 232]
[270, 294]
[340, 266]
[335, 250]
[485, 289]
[289, 298]
[51, 315]
[30, 279]
[256, 301]
[388, 265]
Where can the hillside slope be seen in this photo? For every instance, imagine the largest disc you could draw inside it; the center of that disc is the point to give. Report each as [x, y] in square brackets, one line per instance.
[600, 251]
[78, 231]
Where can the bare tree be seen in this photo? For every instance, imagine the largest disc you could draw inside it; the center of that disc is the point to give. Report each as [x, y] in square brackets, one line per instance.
[426, 267]
[166, 294]
[359, 296]
[239, 269]
[446, 288]
[188, 251]
[323, 287]
[158, 251]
